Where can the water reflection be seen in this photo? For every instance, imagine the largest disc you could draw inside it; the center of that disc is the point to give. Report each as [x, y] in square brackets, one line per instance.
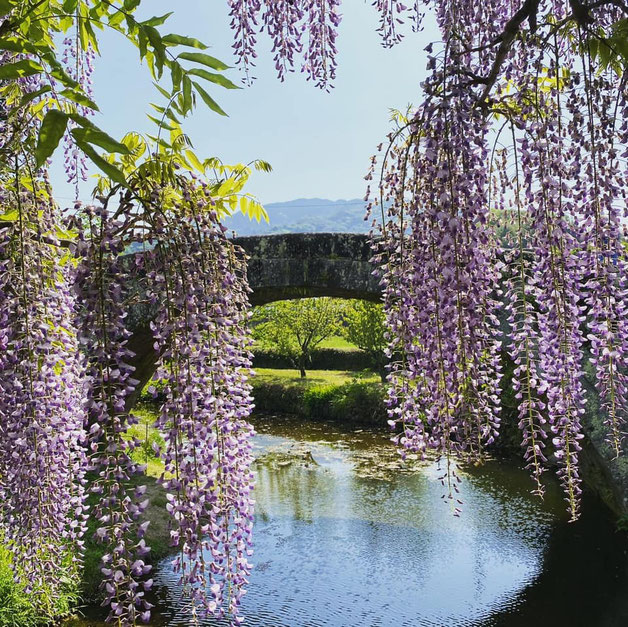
[351, 541]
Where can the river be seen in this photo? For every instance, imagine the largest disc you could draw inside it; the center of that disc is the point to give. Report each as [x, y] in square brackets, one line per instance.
[346, 536]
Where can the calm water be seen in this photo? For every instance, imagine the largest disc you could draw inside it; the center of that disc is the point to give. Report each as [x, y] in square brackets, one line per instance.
[345, 538]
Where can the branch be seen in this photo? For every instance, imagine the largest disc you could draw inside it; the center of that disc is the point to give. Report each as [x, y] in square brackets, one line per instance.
[580, 13]
[528, 12]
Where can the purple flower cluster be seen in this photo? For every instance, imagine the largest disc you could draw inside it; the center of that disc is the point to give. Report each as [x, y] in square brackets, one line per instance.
[79, 65]
[43, 392]
[307, 27]
[440, 277]
[202, 336]
[390, 12]
[99, 282]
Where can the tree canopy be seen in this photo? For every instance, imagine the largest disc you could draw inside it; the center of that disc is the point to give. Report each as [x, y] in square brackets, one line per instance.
[294, 328]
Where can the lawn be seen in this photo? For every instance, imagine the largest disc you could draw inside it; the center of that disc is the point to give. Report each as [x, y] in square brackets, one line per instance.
[338, 342]
[289, 377]
[335, 341]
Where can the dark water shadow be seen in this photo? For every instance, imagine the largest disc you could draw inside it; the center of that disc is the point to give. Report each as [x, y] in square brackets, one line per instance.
[584, 580]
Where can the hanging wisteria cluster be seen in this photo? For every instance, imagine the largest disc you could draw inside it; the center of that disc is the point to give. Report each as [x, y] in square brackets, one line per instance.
[520, 117]
[79, 65]
[43, 390]
[100, 279]
[201, 334]
[524, 117]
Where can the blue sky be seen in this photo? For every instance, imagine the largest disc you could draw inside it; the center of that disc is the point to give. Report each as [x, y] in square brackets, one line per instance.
[318, 143]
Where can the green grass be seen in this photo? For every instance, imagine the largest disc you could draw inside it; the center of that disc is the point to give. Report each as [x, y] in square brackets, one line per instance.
[335, 341]
[289, 377]
[146, 433]
[338, 342]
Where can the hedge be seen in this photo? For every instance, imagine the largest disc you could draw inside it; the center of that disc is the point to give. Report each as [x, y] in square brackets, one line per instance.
[354, 402]
[322, 359]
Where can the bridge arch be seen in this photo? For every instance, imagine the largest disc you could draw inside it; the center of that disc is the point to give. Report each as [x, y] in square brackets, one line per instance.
[304, 265]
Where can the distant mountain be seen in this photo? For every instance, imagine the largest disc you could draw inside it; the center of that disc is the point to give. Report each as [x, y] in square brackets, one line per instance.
[305, 215]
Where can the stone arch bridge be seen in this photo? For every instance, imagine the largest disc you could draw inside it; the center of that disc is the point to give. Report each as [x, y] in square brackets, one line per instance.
[303, 265]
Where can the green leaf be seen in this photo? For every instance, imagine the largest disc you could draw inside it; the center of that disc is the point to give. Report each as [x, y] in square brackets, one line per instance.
[79, 98]
[65, 234]
[207, 99]
[172, 116]
[218, 79]
[204, 59]
[181, 40]
[194, 160]
[108, 168]
[604, 53]
[158, 47]
[156, 21]
[621, 44]
[10, 216]
[187, 94]
[19, 69]
[162, 91]
[92, 134]
[160, 123]
[6, 6]
[16, 45]
[262, 166]
[131, 5]
[176, 73]
[50, 134]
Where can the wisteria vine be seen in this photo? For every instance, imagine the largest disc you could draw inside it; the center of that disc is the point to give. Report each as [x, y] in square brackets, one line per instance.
[537, 114]
[205, 362]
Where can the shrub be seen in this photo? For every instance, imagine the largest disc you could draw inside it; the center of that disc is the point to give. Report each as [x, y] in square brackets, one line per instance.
[321, 359]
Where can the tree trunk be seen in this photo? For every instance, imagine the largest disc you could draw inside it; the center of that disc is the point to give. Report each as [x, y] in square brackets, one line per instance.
[302, 362]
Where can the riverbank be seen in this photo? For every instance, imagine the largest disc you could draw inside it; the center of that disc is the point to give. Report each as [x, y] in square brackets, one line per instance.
[339, 396]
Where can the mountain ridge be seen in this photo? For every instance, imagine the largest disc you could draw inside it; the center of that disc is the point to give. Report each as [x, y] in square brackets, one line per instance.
[305, 215]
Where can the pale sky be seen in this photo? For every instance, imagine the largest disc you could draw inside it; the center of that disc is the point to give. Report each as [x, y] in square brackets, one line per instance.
[318, 143]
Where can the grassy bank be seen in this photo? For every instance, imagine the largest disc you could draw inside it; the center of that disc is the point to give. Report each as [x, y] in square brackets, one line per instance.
[16, 606]
[323, 395]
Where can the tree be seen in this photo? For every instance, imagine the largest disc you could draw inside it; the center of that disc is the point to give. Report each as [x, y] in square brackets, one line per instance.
[295, 328]
[364, 326]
